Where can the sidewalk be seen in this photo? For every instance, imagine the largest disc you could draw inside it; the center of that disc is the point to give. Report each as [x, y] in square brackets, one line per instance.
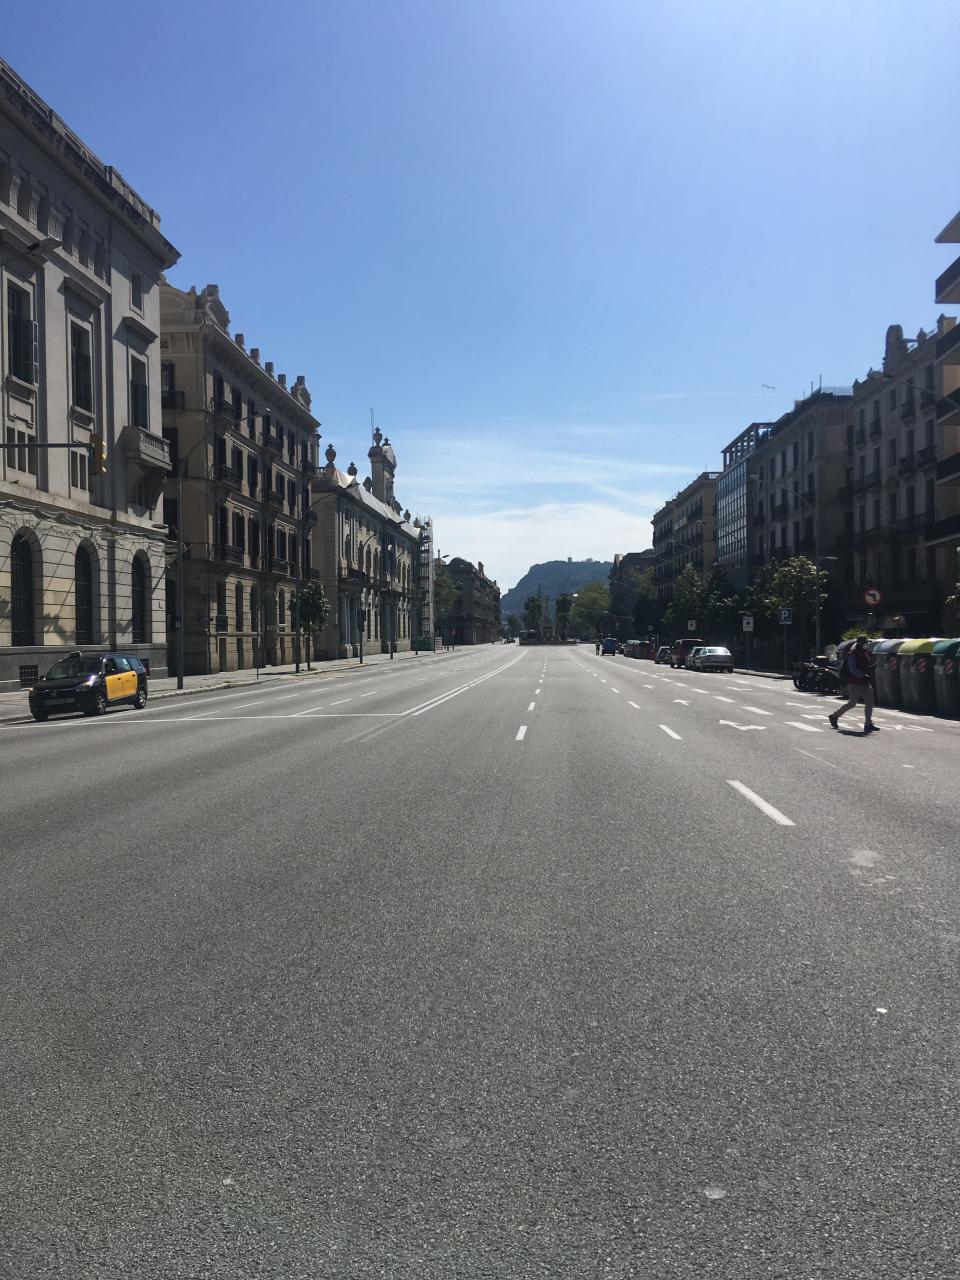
[14, 705]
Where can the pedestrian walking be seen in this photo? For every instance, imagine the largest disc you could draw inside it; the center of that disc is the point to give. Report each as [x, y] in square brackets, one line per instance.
[598, 644]
[857, 669]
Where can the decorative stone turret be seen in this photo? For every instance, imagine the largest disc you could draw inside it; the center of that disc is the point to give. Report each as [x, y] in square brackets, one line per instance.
[330, 454]
[383, 465]
[352, 470]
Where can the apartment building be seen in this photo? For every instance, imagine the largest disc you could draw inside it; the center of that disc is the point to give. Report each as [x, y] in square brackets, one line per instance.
[684, 532]
[945, 535]
[795, 474]
[369, 556]
[475, 618]
[243, 446]
[81, 548]
[893, 505]
[735, 504]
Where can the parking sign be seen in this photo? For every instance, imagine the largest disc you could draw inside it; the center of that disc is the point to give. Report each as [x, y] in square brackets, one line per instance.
[691, 624]
[747, 622]
[786, 617]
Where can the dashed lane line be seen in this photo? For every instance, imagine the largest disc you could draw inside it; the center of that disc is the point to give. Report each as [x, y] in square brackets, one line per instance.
[763, 805]
[532, 706]
[669, 732]
[521, 733]
[634, 705]
[757, 711]
[807, 728]
[720, 698]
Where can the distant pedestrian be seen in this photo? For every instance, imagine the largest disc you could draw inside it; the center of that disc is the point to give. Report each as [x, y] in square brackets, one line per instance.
[857, 668]
[598, 644]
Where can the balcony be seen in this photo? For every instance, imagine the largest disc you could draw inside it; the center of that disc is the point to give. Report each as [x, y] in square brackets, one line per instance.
[275, 497]
[947, 530]
[948, 347]
[928, 399]
[230, 553]
[909, 409]
[778, 510]
[860, 436]
[858, 484]
[172, 399]
[927, 456]
[948, 471]
[273, 443]
[876, 429]
[948, 409]
[314, 575]
[225, 409]
[281, 566]
[948, 284]
[874, 479]
[907, 465]
[229, 475]
[144, 449]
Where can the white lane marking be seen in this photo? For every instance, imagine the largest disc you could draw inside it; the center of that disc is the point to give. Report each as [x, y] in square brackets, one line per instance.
[669, 732]
[720, 698]
[532, 706]
[761, 804]
[757, 711]
[693, 689]
[240, 706]
[634, 705]
[368, 695]
[648, 686]
[807, 728]
[521, 733]
[733, 725]
[341, 702]
[537, 690]
[796, 704]
[684, 702]
[284, 696]
[679, 684]
[613, 690]
[602, 681]
[909, 766]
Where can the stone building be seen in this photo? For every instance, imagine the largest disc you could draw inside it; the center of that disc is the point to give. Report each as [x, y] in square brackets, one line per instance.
[796, 473]
[623, 578]
[892, 501]
[81, 553]
[684, 532]
[475, 617]
[243, 448]
[945, 535]
[368, 554]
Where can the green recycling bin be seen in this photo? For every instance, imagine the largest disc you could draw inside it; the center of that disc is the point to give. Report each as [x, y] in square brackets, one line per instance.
[886, 672]
[946, 677]
[916, 675]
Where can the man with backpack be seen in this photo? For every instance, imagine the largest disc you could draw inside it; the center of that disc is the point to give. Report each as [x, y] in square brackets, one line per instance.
[856, 671]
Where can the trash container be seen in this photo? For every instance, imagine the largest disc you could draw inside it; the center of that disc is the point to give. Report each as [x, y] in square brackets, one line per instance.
[916, 675]
[946, 677]
[886, 672]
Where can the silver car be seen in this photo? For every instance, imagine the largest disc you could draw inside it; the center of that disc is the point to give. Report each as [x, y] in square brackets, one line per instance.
[712, 657]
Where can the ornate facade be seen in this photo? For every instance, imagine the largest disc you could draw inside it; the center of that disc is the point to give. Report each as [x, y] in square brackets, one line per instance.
[243, 448]
[368, 553]
[475, 618]
[81, 553]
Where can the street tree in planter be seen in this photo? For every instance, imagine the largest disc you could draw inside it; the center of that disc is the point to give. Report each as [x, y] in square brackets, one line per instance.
[311, 607]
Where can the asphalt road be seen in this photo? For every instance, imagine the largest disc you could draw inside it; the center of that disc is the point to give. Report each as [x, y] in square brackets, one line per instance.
[513, 963]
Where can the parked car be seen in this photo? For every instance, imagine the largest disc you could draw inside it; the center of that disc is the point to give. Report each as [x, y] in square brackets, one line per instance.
[714, 658]
[663, 654]
[90, 682]
[680, 649]
[693, 658]
[610, 645]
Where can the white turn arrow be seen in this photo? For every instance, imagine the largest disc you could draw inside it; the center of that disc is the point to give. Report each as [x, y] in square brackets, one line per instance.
[743, 727]
[683, 702]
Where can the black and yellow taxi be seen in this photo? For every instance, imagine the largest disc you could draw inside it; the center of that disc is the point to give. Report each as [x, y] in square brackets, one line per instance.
[91, 683]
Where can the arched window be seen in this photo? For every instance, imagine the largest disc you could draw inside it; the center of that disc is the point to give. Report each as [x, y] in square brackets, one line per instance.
[22, 591]
[139, 597]
[83, 595]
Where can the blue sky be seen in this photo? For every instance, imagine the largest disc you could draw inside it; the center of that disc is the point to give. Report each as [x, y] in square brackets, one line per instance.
[558, 247]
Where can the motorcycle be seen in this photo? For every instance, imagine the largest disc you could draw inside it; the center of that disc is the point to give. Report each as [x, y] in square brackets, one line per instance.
[816, 676]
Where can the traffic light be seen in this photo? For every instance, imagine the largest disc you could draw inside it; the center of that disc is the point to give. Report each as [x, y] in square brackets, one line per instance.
[98, 455]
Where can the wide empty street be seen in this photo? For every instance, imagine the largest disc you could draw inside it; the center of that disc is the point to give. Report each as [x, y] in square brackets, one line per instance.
[507, 962]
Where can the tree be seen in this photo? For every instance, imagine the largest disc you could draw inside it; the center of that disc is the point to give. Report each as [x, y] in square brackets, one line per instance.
[310, 609]
[722, 605]
[533, 613]
[799, 585]
[444, 593]
[512, 625]
[647, 612]
[588, 615]
[689, 599]
[562, 612]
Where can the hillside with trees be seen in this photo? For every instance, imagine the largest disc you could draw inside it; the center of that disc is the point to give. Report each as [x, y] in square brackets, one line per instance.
[553, 579]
